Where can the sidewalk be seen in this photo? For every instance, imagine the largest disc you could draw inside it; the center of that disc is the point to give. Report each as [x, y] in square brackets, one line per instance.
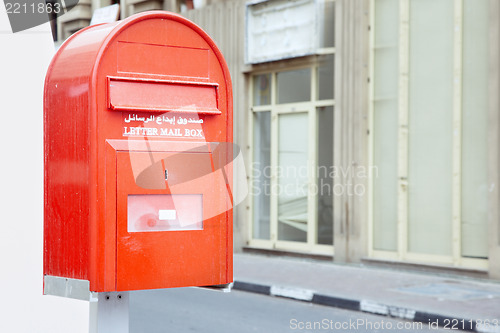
[390, 292]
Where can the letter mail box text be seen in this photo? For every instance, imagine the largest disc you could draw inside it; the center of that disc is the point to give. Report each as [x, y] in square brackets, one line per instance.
[137, 137]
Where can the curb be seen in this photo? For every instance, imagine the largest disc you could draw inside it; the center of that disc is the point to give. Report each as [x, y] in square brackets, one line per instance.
[367, 306]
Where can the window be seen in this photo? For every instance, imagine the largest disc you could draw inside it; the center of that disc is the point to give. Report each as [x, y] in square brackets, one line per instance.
[292, 159]
[429, 126]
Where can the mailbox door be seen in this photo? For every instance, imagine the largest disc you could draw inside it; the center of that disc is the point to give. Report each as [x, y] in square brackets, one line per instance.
[171, 221]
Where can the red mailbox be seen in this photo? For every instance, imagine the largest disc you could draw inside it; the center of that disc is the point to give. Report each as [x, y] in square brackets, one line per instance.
[138, 118]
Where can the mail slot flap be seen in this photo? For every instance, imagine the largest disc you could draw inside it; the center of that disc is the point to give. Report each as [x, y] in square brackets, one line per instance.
[162, 96]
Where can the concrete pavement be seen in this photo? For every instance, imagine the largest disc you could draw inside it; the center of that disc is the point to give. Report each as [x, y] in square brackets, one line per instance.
[453, 302]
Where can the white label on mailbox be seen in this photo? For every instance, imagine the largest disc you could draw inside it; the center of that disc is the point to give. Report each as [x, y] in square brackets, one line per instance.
[167, 214]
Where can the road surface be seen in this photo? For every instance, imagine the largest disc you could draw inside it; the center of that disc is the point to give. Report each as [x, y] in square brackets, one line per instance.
[206, 311]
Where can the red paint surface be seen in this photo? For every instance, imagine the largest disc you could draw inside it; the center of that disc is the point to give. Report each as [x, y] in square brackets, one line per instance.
[90, 168]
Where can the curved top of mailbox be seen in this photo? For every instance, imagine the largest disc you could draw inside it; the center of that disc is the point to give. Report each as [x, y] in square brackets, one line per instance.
[90, 53]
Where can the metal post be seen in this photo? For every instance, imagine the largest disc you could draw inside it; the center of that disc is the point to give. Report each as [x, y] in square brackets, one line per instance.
[109, 313]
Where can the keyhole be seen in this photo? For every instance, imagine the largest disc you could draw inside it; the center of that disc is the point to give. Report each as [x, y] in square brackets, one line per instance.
[166, 174]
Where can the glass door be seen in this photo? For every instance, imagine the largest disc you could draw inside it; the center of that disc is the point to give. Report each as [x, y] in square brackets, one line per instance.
[291, 121]
[293, 177]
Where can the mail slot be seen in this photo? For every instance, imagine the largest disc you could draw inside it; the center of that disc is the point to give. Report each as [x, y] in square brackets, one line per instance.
[137, 137]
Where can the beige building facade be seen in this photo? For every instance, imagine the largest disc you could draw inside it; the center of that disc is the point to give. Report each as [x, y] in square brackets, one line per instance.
[369, 128]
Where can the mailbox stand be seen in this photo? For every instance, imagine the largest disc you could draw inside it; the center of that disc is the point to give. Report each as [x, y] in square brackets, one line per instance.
[109, 313]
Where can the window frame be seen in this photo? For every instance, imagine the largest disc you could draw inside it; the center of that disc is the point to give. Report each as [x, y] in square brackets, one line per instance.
[275, 109]
[402, 252]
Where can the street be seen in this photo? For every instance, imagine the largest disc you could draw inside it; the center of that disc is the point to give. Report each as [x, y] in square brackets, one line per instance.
[198, 310]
